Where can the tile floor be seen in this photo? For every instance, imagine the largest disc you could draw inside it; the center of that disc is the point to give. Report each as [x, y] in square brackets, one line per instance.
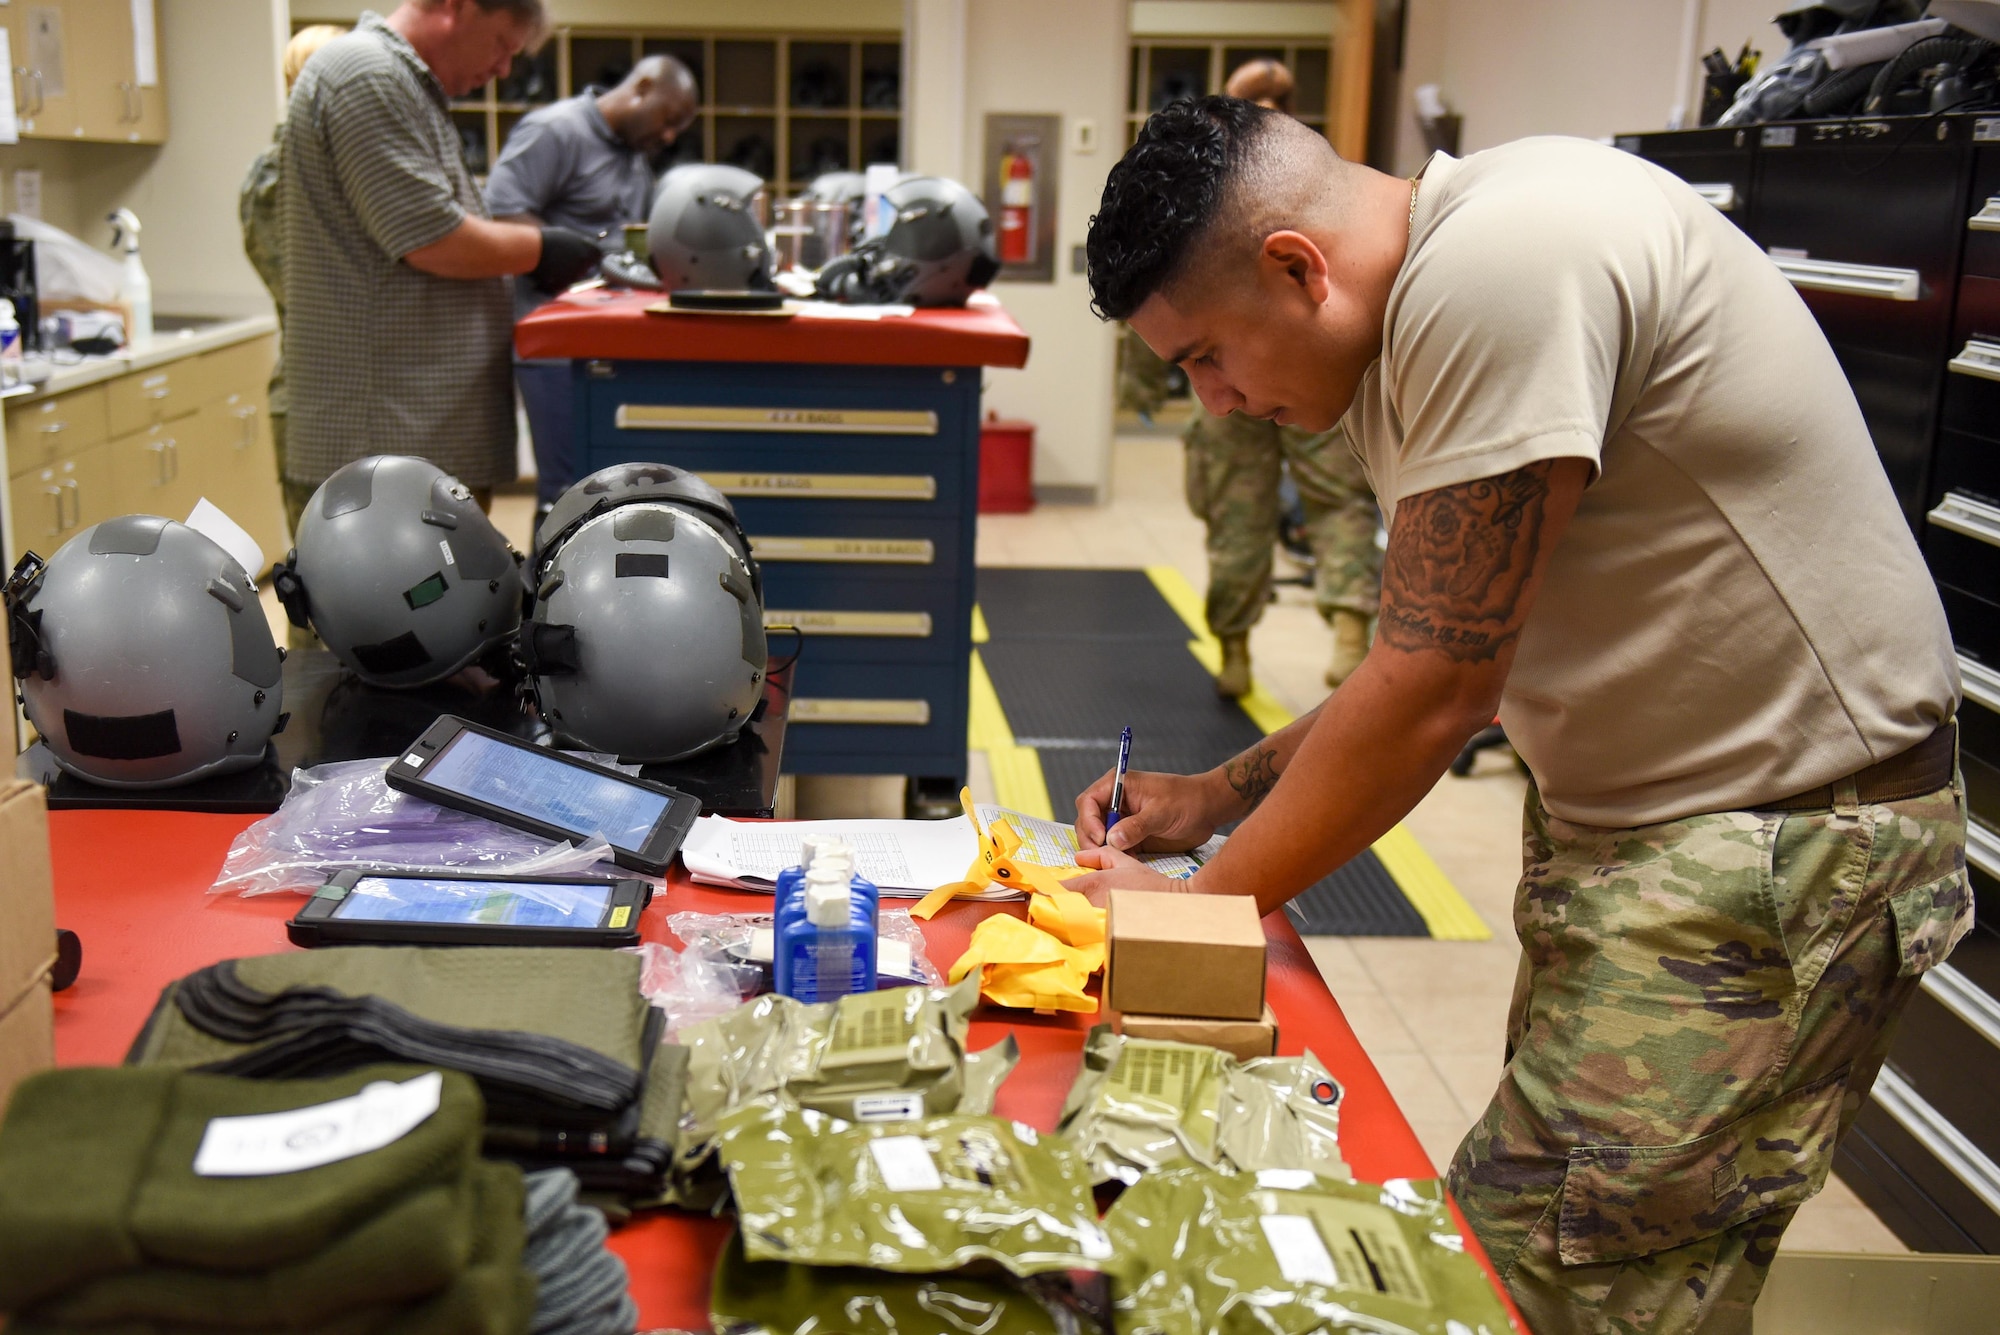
[1431, 1013]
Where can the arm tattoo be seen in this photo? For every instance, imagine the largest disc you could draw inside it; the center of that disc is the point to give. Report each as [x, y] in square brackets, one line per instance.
[1458, 560]
[1253, 774]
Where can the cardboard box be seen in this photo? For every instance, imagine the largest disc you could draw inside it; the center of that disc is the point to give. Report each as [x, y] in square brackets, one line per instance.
[1194, 955]
[1241, 1039]
[27, 936]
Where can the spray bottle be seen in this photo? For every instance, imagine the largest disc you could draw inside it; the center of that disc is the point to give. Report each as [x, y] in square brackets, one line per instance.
[135, 289]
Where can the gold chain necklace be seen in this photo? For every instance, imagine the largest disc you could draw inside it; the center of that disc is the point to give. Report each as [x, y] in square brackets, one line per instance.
[1416, 183]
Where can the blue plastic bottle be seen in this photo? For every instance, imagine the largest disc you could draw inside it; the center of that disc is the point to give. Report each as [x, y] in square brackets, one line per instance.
[830, 952]
[788, 902]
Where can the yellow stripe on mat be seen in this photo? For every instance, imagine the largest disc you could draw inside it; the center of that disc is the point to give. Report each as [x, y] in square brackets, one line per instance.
[1421, 880]
[1018, 782]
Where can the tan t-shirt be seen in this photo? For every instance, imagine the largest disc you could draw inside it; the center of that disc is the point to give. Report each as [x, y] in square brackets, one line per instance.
[1738, 611]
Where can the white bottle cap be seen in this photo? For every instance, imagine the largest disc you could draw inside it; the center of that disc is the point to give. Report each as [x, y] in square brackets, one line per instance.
[828, 905]
[811, 846]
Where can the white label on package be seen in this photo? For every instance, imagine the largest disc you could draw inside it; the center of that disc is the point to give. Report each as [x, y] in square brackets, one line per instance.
[1286, 1179]
[887, 1107]
[905, 1163]
[1302, 1255]
[289, 1142]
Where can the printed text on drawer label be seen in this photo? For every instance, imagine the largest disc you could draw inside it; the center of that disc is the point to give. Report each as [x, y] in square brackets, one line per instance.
[909, 713]
[808, 421]
[887, 625]
[885, 551]
[827, 486]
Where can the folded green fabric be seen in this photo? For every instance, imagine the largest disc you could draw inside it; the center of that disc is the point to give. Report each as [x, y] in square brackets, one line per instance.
[97, 1175]
[493, 1295]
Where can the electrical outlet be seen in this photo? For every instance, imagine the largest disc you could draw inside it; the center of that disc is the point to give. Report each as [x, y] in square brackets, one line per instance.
[1083, 136]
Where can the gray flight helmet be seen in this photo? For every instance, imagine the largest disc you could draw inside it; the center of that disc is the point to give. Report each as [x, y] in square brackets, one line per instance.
[143, 655]
[400, 573]
[938, 250]
[705, 231]
[849, 188]
[646, 638]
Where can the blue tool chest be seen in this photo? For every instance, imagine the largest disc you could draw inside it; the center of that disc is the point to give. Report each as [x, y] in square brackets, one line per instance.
[859, 487]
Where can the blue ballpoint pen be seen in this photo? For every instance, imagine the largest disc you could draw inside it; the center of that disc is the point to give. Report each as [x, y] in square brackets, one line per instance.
[1118, 778]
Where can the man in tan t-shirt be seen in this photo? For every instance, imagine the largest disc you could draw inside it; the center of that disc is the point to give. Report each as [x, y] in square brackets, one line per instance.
[1632, 508]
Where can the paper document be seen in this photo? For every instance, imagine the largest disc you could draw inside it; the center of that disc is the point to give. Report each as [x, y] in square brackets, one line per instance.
[906, 859]
[1049, 843]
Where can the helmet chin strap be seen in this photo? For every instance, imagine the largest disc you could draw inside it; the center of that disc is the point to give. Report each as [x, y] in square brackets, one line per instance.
[24, 625]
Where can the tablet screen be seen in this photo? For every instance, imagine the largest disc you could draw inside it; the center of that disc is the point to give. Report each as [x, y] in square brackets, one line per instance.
[539, 786]
[466, 903]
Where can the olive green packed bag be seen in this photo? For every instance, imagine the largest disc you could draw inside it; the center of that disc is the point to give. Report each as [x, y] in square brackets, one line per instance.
[775, 1298]
[914, 1197]
[873, 1056]
[1284, 1252]
[1142, 1104]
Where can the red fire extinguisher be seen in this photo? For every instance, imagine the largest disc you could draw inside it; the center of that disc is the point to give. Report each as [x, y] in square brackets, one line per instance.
[1017, 208]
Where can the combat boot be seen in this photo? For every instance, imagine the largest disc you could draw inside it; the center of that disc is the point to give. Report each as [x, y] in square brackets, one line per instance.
[1350, 645]
[1234, 679]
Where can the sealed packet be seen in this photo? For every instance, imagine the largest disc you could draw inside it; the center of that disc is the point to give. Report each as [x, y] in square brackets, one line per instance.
[914, 1197]
[1284, 1252]
[1140, 1104]
[873, 1056]
[777, 1298]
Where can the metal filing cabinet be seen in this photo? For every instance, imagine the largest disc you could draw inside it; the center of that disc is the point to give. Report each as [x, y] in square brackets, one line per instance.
[1719, 164]
[859, 488]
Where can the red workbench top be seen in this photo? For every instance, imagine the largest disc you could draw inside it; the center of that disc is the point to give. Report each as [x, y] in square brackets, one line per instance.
[134, 885]
[614, 325]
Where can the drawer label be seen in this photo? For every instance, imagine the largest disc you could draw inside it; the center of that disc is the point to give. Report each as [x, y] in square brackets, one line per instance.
[879, 551]
[882, 625]
[1779, 136]
[828, 486]
[906, 713]
[810, 421]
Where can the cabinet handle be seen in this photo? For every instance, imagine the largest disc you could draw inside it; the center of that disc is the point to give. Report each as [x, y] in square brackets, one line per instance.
[173, 460]
[248, 417]
[1988, 217]
[75, 501]
[1962, 514]
[1982, 848]
[20, 79]
[35, 78]
[1935, 1134]
[56, 495]
[1979, 358]
[1721, 194]
[159, 452]
[157, 394]
[1856, 280]
[1981, 683]
[53, 428]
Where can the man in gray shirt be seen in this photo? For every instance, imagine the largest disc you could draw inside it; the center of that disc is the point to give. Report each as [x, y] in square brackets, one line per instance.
[584, 163]
[399, 321]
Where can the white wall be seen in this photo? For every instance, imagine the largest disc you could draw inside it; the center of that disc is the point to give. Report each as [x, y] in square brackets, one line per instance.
[1583, 67]
[1233, 18]
[1066, 58]
[781, 15]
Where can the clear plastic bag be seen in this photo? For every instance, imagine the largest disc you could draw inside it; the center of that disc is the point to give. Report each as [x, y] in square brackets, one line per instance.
[692, 987]
[346, 815]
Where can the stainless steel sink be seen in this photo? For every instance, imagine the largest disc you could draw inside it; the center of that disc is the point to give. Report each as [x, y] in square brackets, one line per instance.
[186, 324]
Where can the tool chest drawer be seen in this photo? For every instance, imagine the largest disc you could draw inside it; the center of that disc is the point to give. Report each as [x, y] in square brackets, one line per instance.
[1720, 164]
[1979, 738]
[1948, 1051]
[847, 615]
[1962, 544]
[1978, 953]
[911, 715]
[1982, 224]
[1967, 464]
[1974, 622]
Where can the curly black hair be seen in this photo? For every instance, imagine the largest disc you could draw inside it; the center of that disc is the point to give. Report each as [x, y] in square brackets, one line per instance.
[1166, 191]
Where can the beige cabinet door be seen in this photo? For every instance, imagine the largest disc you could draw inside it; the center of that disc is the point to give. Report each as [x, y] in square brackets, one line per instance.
[44, 39]
[50, 505]
[115, 104]
[239, 469]
[157, 471]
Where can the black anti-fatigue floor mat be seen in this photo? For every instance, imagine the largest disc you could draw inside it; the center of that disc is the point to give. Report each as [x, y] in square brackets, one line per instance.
[1076, 655]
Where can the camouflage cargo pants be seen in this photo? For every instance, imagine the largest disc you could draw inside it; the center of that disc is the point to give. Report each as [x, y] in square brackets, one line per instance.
[1701, 1009]
[1233, 468]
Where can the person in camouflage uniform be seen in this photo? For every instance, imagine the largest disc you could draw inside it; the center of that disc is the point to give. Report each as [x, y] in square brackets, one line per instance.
[1700, 1008]
[1234, 465]
[263, 243]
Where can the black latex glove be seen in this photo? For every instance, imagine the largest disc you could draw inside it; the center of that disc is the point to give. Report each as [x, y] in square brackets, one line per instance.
[567, 257]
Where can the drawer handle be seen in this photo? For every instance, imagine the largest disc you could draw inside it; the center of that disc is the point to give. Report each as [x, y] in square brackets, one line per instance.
[1721, 194]
[157, 394]
[855, 551]
[53, 428]
[1982, 848]
[1940, 1139]
[1988, 217]
[248, 417]
[75, 502]
[55, 494]
[900, 713]
[1979, 358]
[867, 625]
[1856, 280]
[1962, 514]
[1959, 995]
[796, 421]
[827, 486]
[1982, 685]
